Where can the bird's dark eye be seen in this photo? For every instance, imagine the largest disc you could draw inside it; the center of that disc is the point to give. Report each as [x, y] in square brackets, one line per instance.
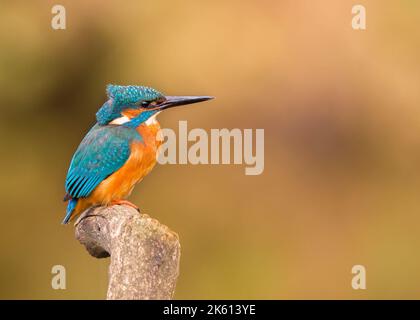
[145, 103]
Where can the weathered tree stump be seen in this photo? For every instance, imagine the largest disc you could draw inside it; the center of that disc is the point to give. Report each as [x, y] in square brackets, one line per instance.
[144, 253]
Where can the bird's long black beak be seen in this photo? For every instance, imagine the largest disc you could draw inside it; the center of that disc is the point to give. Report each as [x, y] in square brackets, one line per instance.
[173, 101]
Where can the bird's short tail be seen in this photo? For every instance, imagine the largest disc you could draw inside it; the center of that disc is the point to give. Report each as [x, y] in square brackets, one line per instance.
[70, 208]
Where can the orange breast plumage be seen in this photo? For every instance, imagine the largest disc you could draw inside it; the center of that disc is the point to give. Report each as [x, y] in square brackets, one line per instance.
[120, 184]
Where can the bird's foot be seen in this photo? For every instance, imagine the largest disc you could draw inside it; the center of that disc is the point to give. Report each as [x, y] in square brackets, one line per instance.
[125, 202]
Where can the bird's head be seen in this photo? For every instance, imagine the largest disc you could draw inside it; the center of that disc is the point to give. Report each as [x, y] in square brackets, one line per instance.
[136, 104]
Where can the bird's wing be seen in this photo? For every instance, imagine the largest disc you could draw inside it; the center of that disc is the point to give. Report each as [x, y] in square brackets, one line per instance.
[103, 151]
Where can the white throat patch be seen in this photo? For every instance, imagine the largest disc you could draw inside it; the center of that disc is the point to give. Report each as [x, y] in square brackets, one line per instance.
[152, 119]
[120, 120]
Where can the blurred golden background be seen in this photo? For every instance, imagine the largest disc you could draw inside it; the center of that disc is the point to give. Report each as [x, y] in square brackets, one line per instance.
[340, 109]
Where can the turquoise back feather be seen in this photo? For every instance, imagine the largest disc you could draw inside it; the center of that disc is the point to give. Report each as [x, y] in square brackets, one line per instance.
[103, 151]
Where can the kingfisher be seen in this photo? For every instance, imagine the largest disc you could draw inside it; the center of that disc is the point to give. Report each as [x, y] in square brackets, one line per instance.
[120, 149]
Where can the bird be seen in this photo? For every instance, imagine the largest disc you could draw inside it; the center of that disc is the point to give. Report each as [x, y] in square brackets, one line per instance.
[119, 150]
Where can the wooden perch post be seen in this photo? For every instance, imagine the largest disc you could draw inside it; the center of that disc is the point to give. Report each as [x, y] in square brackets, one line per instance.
[144, 253]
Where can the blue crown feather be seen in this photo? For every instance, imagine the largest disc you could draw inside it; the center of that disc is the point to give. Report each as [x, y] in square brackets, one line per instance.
[131, 95]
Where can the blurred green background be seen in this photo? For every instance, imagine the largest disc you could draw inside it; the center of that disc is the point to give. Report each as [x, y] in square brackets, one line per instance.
[340, 109]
